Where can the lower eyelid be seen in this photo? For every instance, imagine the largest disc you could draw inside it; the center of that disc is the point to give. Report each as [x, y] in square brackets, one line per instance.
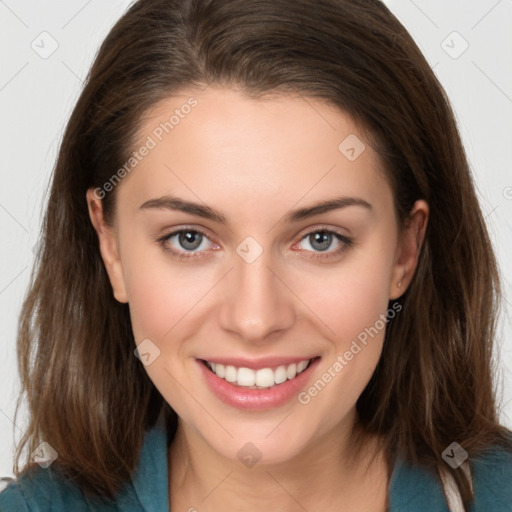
[331, 255]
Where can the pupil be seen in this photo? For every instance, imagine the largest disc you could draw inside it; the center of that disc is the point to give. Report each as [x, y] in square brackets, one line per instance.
[323, 239]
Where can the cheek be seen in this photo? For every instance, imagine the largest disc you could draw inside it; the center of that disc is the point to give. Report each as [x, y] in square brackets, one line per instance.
[350, 298]
[154, 302]
[351, 301]
[162, 294]
[158, 302]
[347, 298]
[355, 312]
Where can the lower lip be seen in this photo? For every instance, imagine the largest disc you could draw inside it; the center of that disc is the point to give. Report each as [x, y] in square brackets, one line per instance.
[256, 399]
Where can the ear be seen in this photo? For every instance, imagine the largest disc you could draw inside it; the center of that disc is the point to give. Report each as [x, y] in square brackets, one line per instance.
[408, 250]
[108, 246]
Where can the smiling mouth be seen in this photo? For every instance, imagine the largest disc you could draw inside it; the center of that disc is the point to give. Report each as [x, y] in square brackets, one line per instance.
[263, 378]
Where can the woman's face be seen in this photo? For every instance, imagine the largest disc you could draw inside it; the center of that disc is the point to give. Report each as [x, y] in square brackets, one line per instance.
[225, 254]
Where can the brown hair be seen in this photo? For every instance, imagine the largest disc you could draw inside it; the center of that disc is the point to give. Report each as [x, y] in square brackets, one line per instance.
[91, 399]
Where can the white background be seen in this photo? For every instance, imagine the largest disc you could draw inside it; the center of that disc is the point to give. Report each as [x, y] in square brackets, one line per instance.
[37, 95]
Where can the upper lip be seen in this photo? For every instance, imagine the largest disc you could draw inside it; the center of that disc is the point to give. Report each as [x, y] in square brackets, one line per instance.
[257, 364]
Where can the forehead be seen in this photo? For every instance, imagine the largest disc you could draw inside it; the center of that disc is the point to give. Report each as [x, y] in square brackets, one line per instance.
[222, 145]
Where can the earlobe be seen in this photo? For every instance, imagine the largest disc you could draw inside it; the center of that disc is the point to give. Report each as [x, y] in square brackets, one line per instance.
[411, 241]
[108, 246]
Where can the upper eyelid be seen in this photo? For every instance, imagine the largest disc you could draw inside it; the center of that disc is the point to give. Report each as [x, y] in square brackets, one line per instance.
[166, 237]
[175, 232]
[309, 231]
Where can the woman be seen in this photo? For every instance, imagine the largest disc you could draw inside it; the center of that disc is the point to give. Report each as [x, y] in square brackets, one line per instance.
[266, 278]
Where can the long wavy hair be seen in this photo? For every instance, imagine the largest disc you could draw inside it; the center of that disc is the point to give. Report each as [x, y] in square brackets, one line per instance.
[91, 399]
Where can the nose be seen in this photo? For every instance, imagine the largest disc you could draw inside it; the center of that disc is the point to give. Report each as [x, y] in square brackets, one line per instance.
[256, 301]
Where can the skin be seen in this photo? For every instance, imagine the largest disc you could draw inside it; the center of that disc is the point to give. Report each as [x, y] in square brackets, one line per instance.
[254, 161]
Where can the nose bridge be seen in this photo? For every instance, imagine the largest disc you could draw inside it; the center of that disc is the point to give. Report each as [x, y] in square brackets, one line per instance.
[256, 303]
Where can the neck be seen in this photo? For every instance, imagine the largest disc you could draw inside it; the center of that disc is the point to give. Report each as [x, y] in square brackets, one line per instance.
[335, 473]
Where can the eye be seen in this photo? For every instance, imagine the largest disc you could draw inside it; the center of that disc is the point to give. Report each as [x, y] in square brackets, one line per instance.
[321, 240]
[189, 244]
[185, 243]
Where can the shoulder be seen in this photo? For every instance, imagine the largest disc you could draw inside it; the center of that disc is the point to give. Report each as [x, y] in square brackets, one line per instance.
[45, 490]
[40, 490]
[12, 499]
[492, 479]
[414, 487]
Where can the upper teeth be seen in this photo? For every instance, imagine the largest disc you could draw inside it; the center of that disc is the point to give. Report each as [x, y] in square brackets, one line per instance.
[262, 378]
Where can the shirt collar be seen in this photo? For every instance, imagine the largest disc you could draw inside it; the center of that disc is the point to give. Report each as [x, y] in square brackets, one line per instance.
[414, 488]
[411, 487]
[150, 479]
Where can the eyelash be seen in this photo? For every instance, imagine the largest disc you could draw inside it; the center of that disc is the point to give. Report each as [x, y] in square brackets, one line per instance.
[190, 256]
[181, 255]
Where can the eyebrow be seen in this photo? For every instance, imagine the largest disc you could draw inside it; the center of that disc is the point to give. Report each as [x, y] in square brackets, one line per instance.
[177, 204]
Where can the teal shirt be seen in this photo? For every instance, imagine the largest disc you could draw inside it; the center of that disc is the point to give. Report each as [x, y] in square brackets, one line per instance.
[411, 489]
